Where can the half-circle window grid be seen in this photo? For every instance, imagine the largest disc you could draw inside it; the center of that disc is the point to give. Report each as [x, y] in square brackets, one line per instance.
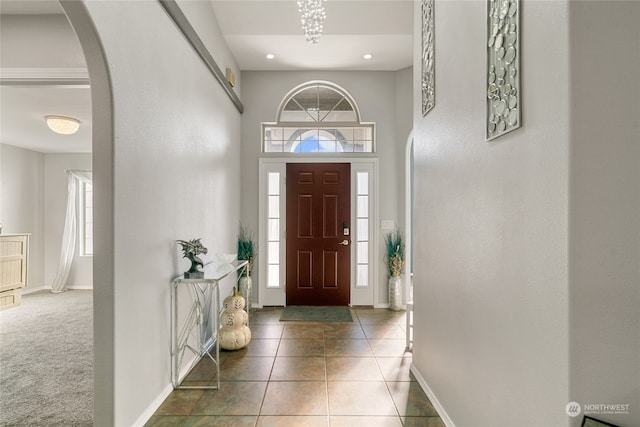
[318, 117]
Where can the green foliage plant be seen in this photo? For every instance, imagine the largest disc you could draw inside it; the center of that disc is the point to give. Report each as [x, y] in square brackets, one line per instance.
[247, 248]
[394, 257]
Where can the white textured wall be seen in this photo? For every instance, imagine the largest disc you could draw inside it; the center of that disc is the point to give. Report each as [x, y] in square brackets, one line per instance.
[404, 126]
[175, 162]
[206, 24]
[604, 207]
[21, 209]
[55, 208]
[44, 35]
[378, 95]
[491, 294]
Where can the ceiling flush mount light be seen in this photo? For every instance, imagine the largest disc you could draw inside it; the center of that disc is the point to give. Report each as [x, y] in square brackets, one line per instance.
[270, 56]
[312, 18]
[63, 125]
[367, 56]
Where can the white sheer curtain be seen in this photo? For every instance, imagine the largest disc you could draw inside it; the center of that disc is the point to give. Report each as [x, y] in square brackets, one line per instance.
[69, 238]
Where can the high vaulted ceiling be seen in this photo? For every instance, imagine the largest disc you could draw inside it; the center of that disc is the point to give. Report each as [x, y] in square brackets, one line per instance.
[251, 28]
[382, 28]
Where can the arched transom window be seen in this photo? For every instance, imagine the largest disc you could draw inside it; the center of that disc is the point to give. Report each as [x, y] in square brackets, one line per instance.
[318, 117]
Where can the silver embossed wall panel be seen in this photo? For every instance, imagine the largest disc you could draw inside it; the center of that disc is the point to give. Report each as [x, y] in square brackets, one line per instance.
[428, 57]
[503, 67]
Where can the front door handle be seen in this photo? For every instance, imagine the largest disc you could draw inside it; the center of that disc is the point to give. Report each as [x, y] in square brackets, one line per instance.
[345, 242]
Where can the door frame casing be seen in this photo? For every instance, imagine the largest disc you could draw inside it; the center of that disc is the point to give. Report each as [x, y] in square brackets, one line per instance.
[408, 221]
[277, 296]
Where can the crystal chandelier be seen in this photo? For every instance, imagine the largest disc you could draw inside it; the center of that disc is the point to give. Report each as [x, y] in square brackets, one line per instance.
[313, 15]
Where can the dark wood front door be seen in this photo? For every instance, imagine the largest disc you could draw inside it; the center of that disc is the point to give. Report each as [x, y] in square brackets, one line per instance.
[318, 234]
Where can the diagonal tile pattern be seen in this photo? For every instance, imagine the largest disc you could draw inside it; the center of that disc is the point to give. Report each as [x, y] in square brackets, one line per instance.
[309, 374]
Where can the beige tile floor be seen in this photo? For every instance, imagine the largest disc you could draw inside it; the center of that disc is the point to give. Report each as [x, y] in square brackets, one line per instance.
[309, 374]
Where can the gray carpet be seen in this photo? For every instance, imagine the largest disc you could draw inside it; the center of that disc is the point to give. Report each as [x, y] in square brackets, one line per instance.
[46, 360]
[303, 313]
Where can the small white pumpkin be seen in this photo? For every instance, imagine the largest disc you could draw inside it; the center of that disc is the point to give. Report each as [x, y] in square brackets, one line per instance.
[233, 338]
[233, 318]
[234, 334]
[235, 301]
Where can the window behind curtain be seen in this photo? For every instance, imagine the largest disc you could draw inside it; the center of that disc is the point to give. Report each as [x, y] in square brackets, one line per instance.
[85, 222]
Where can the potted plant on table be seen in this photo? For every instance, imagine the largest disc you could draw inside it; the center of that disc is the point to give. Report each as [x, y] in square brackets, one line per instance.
[246, 252]
[395, 245]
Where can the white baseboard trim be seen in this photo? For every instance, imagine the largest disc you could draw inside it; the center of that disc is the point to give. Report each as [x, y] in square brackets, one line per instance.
[151, 409]
[186, 366]
[81, 287]
[30, 290]
[84, 287]
[432, 397]
[380, 305]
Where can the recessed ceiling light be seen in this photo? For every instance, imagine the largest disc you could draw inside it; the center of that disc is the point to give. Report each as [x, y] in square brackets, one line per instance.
[270, 56]
[63, 125]
[367, 56]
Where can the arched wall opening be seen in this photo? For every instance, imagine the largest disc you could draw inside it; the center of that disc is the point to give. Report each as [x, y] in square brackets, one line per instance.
[103, 271]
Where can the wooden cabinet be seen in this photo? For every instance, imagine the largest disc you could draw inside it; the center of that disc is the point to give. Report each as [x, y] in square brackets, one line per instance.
[14, 258]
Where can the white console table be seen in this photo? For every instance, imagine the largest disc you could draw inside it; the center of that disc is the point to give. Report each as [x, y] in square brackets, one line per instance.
[196, 333]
